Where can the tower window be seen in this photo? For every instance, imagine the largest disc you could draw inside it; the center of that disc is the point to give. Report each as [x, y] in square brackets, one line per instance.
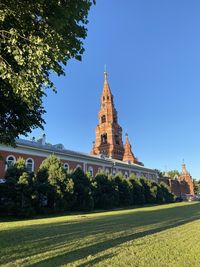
[103, 98]
[107, 97]
[117, 139]
[103, 119]
[104, 138]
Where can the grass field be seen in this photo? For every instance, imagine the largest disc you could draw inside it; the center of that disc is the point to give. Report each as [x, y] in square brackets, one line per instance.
[167, 235]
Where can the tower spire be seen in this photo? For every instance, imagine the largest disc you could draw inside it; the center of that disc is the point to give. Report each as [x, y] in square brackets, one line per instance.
[105, 75]
[108, 131]
[128, 154]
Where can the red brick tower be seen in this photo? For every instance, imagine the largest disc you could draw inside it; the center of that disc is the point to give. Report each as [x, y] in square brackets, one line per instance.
[186, 181]
[128, 154]
[108, 131]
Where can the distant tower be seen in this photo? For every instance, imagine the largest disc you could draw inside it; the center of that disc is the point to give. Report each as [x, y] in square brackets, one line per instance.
[185, 179]
[108, 131]
[128, 154]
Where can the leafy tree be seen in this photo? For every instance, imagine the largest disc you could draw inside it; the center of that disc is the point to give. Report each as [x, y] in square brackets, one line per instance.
[37, 38]
[196, 186]
[105, 192]
[12, 177]
[18, 189]
[159, 194]
[173, 173]
[25, 190]
[150, 191]
[52, 183]
[137, 190]
[167, 194]
[123, 189]
[82, 196]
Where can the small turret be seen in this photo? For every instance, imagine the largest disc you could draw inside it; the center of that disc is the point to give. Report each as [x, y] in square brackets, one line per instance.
[128, 154]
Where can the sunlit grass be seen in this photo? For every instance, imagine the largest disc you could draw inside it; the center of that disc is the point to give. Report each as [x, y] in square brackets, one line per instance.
[166, 235]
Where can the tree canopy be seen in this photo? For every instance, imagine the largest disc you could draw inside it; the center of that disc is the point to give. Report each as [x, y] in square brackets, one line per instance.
[36, 38]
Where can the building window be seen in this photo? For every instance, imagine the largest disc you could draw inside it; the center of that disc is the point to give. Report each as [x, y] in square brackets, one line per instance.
[30, 165]
[91, 171]
[104, 138]
[107, 97]
[100, 169]
[66, 166]
[126, 174]
[79, 166]
[103, 119]
[107, 171]
[114, 171]
[10, 161]
[117, 139]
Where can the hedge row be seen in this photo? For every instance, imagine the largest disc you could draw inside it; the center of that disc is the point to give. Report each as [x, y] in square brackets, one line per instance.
[52, 189]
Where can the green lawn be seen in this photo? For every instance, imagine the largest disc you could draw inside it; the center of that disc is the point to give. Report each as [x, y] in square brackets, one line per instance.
[167, 235]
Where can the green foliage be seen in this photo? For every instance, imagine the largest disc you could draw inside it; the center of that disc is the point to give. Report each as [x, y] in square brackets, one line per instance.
[37, 38]
[196, 186]
[167, 194]
[124, 190]
[18, 189]
[105, 192]
[150, 190]
[173, 173]
[82, 196]
[53, 183]
[137, 191]
[53, 189]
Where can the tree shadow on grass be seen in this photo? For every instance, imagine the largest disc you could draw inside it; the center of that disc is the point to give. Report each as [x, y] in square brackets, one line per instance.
[128, 226]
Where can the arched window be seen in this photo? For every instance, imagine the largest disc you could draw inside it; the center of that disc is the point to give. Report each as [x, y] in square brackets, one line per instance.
[91, 171]
[107, 171]
[117, 139]
[78, 166]
[66, 166]
[114, 171]
[104, 138]
[100, 169]
[103, 119]
[30, 165]
[10, 161]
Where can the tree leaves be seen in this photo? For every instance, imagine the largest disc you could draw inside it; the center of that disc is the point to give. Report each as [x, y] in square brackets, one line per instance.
[36, 38]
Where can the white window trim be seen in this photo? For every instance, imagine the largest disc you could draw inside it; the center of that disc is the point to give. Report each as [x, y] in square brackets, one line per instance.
[6, 167]
[91, 171]
[79, 166]
[32, 164]
[107, 170]
[66, 164]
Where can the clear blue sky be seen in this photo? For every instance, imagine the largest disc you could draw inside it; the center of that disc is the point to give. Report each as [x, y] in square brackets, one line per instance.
[152, 53]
